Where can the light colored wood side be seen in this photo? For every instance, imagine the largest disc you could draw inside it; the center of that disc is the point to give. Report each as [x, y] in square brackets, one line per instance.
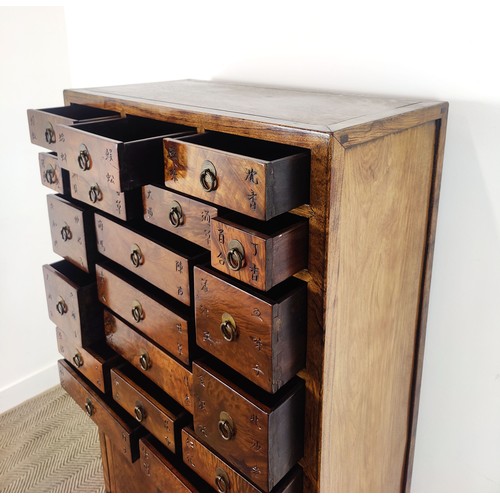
[377, 244]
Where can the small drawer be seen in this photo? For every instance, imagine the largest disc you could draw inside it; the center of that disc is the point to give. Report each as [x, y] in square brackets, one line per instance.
[123, 430]
[262, 337]
[53, 176]
[72, 302]
[224, 478]
[73, 233]
[125, 206]
[163, 476]
[117, 154]
[162, 322]
[147, 256]
[262, 438]
[261, 255]
[178, 214]
[158, 366]
[158, 413]
[257, 178]
[42, 122]
[93, 362]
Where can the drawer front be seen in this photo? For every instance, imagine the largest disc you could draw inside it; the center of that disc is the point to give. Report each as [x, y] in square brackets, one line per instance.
[157, 264]
[124, 433]
[91, 364]
[256, 258]
[215, 471]
[51, 175]
[42, 122]
[163, 476]
[263, 441]
[124, 206]
[178, 214]
[259, 337]
[168, 329]
[155, 417]
[72, 302]
[72, 231]
[175, 379]
[231, 178]
[118, 154]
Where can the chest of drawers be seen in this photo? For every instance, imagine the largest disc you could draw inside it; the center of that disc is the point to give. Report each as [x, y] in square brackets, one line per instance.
[243, 300]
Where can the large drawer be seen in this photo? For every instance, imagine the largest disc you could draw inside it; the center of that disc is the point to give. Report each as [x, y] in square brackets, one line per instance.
[125, 206]
[178, 214]
[162, 321]
[73, 233]
[166, 267]
[122, 429]
[258, 178]
[260, 254]
[158, 413]
[120, 154]
[72, 302]
[42, 122]
[51, 174]
[93, 362]
[261, 336]
[262, 438]
[158, 366]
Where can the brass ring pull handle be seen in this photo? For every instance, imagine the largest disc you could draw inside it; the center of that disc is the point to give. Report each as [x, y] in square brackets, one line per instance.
[225, 426]
[50, 175]
[50, 134]
[61, 306]
[136, 256]
[84, 159]
[139, 412]
[95, 193]
[175, 215]
[208, 176]
[66, 233]
[236, 255]
[137, 311]
[144, 361]
[228, 327]
[78, 360]
[222, 481]
[89, 407]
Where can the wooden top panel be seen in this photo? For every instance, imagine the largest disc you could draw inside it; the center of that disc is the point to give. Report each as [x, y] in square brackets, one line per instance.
[317, 111]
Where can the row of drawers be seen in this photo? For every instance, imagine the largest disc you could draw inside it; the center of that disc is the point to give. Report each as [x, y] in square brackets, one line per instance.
[218, 336]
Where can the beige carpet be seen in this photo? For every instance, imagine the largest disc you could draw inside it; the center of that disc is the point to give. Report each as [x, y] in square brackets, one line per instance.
[49, 445]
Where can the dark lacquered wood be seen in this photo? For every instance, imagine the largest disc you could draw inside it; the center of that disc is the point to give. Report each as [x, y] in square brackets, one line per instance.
[51, 174]
[76, 292]
[171, 376]
[161, 322]
[195, 216]
[73, 232]
[272, 252]
[166, 268]
[93, 362]
[42, 122]
[124, 206]
[117, 151]
[161, 475]
[269, 345]
[159, 414]
[268, 437]
[119, 426]
[259, 179]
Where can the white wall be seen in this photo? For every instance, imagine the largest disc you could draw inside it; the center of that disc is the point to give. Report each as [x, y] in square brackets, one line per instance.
[429, 49]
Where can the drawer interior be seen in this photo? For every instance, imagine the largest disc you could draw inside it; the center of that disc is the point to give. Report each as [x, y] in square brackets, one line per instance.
[132, 128]
[79, 112]
[244, 146]
[72, 273]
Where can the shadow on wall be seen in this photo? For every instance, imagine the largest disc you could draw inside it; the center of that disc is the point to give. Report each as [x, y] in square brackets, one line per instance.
[458, 434]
